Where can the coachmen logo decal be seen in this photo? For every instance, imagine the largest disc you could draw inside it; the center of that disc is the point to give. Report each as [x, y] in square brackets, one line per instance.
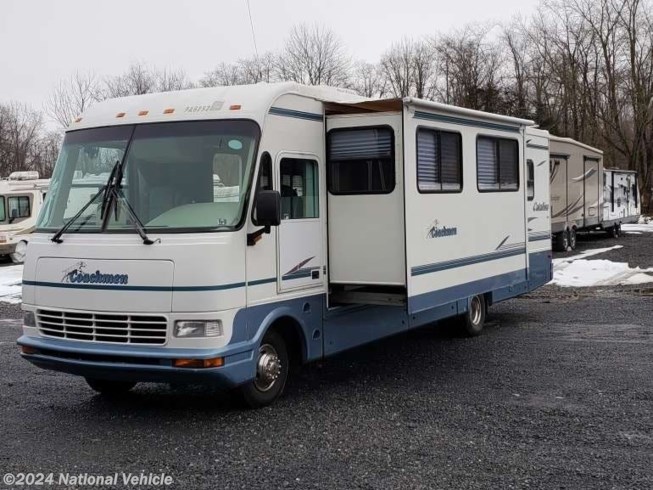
[77, 274]
[436, 231]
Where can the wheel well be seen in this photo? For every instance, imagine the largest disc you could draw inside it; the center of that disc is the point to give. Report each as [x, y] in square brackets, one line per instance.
[292, 334]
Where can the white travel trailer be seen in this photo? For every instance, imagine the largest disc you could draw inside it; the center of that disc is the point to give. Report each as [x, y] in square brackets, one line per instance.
[620, 199]
[576, 190]
[21, 199]
[243, 228]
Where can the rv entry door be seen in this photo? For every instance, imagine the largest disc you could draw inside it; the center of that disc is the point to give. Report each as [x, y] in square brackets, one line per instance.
[300, 240]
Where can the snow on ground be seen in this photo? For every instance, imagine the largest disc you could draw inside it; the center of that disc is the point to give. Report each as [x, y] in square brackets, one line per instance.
[11, 279]
[577, 271]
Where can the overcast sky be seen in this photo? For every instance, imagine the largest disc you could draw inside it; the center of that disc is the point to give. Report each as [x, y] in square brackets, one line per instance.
[42, 41]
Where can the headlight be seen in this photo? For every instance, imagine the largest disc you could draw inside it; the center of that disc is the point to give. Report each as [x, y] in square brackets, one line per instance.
[198, 328]
[29, 320]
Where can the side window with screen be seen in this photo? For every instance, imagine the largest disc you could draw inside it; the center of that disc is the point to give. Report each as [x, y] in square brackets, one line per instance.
[530, 180]
[439, 161]
[497, 164]
[299, 188]
[361, 161]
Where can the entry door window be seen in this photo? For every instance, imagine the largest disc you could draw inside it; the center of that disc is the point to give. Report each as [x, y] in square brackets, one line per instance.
[299, 188]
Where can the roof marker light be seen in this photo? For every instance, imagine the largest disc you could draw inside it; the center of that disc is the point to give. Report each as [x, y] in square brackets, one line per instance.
[143, 113]
[169, 110]
[234, 107]
[121, 114]
[79, 119]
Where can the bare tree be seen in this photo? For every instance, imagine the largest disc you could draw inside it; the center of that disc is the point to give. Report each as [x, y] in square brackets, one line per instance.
[367, 80]
[20, 132]
[144, 79]
[313, 55]
[71, 97]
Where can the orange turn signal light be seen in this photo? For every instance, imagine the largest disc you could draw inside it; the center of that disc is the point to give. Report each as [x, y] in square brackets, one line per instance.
[25, 349]
[199, 363]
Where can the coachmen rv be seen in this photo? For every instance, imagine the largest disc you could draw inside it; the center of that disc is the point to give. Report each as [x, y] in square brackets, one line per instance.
[239, 229]
[620, 199]
[21, 199]
[576, 190]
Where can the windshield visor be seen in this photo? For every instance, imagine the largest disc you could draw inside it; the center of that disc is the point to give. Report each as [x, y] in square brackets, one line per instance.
[182, 176]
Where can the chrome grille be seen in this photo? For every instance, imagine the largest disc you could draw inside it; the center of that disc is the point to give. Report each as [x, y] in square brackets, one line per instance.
[102, 327]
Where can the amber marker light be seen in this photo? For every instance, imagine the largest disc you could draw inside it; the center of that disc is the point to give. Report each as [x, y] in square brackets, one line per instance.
[199, 363]
[143, 113]
[234, 107]
[25, 349]
[121, 114]
[169, 110]
[79, 119]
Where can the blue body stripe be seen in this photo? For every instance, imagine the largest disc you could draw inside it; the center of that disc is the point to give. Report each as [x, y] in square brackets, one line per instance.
[477, 259]
[465, 122]
[310, 116]
[538, 147]
[215, 287]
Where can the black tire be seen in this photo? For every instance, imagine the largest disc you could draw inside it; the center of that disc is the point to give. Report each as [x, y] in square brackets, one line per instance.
[110, 387]
[272, 368]
[573, 238]
[472, 322]
[561, 241]
[614, 231]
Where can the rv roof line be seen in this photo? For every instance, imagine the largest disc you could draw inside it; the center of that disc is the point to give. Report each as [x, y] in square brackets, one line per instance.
[572, 141]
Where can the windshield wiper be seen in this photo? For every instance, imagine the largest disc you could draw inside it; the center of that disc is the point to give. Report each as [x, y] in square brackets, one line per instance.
[138, 224]
[56, 238]
[104, 190]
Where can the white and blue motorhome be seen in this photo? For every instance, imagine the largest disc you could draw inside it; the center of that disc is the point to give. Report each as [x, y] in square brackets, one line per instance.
[238, 229]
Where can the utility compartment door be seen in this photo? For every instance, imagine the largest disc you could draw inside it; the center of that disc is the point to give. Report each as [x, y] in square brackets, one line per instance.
[593, 191]
[300, 249]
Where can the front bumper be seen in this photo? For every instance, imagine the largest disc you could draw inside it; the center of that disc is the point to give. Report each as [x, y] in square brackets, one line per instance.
[140, 364]
[7, 248]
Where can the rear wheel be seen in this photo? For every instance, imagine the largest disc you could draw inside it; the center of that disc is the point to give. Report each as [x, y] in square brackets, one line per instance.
[572, 238]
[615, 231]
[272, 367]
[561, 241]
[109, 387]
[473, 320]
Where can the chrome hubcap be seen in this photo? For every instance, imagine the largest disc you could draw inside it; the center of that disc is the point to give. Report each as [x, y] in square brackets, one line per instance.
[268, 368]
[475, 310]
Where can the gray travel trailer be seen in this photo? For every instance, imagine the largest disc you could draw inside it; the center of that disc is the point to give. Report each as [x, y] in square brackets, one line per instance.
[621, 201]
[576, 190]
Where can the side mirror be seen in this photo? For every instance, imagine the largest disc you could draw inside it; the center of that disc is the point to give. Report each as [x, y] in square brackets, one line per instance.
[268, 208]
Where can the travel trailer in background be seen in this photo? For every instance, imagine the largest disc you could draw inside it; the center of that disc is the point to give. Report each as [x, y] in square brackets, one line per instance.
[21, 199]
[576, 190]
[621, 202]
[227, 232]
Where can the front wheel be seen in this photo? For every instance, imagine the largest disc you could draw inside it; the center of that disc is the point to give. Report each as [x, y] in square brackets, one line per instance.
[272, 367]
[109, 387]
[18, 256]
[473, 320]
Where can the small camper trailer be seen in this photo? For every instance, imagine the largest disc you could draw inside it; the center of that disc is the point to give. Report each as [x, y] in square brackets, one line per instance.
[21, 199]
[233, 230]
[621, 202]
[576, 190]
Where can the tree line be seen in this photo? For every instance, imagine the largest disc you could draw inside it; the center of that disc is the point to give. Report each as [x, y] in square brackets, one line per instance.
[579, 68]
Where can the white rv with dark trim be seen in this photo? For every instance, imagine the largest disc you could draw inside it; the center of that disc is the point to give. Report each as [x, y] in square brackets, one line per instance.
[621, 203]
[21, 199]
[576, 190]
[238, 229]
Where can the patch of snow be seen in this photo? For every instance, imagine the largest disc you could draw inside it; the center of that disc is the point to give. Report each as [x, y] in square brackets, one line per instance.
[590, 273]
[639, 227]
[11, 280]
[585, 253]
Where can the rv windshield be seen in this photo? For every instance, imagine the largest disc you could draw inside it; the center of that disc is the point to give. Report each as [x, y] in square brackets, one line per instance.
[181, 176]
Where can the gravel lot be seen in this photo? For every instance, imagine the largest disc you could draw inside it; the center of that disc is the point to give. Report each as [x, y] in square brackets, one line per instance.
[557, 393]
